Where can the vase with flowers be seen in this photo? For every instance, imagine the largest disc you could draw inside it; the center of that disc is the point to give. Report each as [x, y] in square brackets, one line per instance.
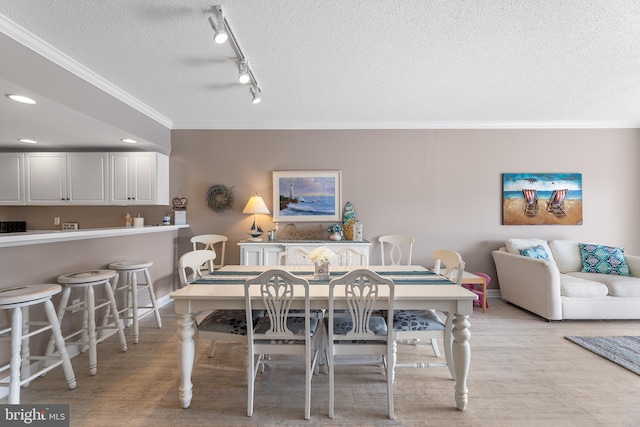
[322, 257]
[335, 231]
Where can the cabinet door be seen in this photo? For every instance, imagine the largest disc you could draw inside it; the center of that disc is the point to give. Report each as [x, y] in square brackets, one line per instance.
[11, 179]
[120, 171]
[271, 254]
[46, 178]
[143, 178]
[87, 178]
[251, 255]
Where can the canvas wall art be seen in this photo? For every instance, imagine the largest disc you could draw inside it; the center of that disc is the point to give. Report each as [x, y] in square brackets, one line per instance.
[542, 199]
[306, 196]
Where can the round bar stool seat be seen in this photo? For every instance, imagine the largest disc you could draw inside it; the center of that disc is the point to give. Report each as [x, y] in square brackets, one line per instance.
[132, 312]
[19, 300]
[87, 280]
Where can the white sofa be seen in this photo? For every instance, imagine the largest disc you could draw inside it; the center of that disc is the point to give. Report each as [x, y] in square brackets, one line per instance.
[557, 289]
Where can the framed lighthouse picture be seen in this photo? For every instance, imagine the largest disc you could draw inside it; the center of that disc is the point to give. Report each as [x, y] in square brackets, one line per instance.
[307, 196]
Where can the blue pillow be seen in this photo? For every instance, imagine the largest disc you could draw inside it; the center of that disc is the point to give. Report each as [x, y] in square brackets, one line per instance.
[536, 252]
[603, 259]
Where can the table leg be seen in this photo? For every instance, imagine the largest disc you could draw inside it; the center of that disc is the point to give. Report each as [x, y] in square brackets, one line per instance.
[484, 295]
[186, 357]
[461, 358]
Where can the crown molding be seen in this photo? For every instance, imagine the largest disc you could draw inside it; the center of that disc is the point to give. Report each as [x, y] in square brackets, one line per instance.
[44, 49]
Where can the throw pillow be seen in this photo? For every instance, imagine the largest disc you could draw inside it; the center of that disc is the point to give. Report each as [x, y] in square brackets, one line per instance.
[514, 246]
[603, 259]
[536, 252]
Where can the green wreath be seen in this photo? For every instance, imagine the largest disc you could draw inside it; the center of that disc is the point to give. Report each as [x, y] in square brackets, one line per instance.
[219, 197]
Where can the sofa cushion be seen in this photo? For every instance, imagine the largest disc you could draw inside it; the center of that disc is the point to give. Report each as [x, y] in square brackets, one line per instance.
[603, 259]
[514, 246]
[619, 286]
[567, 255]
[576, 285]
[536, 252]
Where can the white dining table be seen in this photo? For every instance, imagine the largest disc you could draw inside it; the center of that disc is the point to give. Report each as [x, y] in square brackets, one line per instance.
[415, 288]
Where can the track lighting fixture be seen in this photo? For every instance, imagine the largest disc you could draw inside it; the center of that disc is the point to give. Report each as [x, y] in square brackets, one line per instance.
[219, 33]
[255, 94]
[243, 76]
[223, 32]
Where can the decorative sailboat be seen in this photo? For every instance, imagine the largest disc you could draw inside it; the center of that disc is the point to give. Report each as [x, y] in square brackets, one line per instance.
[256, 206]
[255, 231]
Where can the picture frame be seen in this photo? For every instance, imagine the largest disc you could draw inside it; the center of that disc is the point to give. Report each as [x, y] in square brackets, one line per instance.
[541, 198]
[300, 196]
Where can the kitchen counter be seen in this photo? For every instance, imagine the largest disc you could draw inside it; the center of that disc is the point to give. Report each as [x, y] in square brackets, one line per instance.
[37, 237]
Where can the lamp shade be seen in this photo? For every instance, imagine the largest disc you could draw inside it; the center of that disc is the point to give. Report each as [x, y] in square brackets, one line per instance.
[256, 205]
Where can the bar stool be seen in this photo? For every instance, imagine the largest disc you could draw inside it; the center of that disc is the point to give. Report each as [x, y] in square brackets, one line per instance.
[131, 311]
[87, 280]
[19, 300]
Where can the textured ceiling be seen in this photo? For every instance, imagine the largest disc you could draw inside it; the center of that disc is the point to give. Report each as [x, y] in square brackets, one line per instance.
[349, 64]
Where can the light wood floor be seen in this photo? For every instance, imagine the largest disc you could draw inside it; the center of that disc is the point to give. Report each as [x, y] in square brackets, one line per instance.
[523, 373]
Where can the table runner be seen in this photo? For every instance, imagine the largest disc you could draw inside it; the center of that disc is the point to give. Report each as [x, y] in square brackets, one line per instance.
[426, 277]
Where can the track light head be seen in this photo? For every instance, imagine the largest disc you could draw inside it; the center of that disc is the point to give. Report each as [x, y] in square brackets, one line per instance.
[219, 33]
[255, 93]
[243, 76]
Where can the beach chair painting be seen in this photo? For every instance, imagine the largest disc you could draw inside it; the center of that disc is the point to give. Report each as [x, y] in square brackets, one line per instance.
[530, 201]
[555, 205]
[541, 198]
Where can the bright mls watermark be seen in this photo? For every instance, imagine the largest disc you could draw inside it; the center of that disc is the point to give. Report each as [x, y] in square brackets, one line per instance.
[34, 415]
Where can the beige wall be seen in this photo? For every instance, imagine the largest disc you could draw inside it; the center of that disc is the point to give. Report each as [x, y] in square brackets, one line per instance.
[442, 186]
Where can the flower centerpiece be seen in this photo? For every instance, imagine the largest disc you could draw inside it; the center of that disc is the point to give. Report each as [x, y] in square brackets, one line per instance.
[321, 257]
[335, 231]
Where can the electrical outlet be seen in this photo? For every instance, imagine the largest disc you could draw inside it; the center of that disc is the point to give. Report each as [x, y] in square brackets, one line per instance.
[56, 220]
[74, 303]
[70, 226]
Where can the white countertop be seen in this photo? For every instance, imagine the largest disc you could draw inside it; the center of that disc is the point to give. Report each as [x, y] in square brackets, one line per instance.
[50, 236]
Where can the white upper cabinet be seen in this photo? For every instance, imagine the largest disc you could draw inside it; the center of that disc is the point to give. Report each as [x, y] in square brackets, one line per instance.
[140, 178]
[12, 179]
[66, 178]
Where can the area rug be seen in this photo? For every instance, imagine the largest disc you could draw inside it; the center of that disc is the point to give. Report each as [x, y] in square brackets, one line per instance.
[622, 350]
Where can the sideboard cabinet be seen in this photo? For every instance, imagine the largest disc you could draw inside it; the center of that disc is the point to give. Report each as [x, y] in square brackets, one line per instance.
[267, 252]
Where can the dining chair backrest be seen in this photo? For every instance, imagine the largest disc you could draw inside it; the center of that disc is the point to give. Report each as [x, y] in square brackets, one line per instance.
[451, 262]
[398, 248]
[361, 292]
[190, 265]
[351, 256]
[277, 289]
[295, 255]
[209, 241]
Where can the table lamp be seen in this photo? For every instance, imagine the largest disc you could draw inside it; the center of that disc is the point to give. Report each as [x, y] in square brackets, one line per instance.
[256, 206]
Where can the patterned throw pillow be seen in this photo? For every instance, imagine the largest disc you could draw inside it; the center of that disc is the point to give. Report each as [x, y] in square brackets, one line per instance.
[536, 252]
[603, 259]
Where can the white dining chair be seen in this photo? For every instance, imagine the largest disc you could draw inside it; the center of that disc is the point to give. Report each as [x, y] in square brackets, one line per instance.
[417, 325]
[210, 242]
[219, 325]
[195, 264]
[359, 330]
[295, 255]
[278, 333]
[398, 249]
[350, 256]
